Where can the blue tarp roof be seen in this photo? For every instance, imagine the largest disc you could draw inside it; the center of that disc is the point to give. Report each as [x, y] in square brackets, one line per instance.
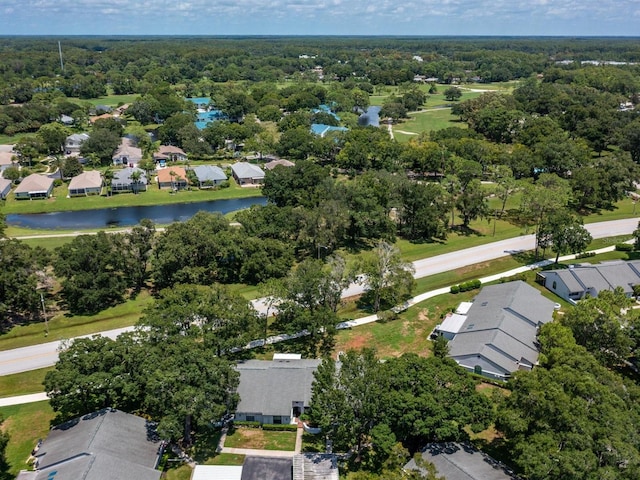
[325, 109]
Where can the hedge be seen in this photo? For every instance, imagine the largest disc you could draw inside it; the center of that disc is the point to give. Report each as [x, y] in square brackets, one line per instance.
[244, 423]
[287, 427]
[466, 286]
[624, 247]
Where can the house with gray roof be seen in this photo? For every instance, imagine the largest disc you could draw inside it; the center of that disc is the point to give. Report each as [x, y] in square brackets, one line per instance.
[73, 143]
[462, 461]
[169, 153]
[5, 188]
[85, 184]
[122, 181]
[276, 391]
[209, 175]
[34, 186]
[578, 281]
[247, 174]
[104, 444]
[498, 335]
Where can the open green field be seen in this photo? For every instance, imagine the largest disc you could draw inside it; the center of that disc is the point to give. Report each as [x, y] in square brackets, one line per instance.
[25, 424]
[425, 121]
[153, 196]
[109, 100]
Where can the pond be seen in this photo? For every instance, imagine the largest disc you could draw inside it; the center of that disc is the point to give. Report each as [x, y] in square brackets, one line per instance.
[128, 216]
[371, 117]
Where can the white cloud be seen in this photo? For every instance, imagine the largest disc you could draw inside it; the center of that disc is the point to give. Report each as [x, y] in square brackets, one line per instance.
[330, 16]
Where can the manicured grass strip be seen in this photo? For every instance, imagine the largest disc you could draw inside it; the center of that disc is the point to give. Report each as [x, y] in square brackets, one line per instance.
[261, 439]
[62, 326]
[23, 383]
[226, 459]
[25, 424]
[180, 473]
[153, 196]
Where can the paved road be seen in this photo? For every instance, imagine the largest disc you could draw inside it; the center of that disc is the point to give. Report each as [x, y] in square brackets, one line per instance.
[46, 354]
[39, 356]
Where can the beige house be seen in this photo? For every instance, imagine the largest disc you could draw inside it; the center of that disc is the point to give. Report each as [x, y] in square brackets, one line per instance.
[127, 153]
[172, 177]
[85, 184]
[169, 153]
[6, 160]
[34, 186]
[5, 188]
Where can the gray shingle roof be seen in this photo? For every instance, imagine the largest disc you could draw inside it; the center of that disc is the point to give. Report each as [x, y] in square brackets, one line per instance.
[460, 461]
[601, 276]
[123, 177]
[209, 173]
[247, 170]
[501, 326]
[105, 444]
[269, 387]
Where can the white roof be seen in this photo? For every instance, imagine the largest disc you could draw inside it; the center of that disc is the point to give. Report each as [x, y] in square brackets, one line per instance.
[217, 472]
[463, 308]
[453, 323]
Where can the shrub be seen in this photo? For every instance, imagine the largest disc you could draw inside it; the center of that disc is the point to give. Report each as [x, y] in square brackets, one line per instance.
[246, 424]
[455, 289]
[586, 255]
[284, 427]
[624, 247]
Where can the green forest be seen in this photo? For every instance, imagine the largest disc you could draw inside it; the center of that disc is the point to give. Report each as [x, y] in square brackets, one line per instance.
[535, 134]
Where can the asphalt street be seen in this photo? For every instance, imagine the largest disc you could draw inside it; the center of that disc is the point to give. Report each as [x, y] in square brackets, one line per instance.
[46, 354]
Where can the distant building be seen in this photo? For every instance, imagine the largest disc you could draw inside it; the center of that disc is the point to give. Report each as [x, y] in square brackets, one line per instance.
[209, 176]
[172, 177]
[496, 334]
[321, 129]
[6, 160]
[247, 173]
[74, 142]
[127, 153]
[122, 181]
[280, 162]
[169, 153]
[5, 188]
[108, 444]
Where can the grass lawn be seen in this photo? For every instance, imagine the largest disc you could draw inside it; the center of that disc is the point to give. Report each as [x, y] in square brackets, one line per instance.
[109, 100]
[261, 439]
[178, 473]
[25, 425]
[23, 383]
[63, 326]
[426, 121]
[153, 196]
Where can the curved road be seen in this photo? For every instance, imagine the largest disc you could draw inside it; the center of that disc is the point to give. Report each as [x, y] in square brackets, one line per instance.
[46, 354]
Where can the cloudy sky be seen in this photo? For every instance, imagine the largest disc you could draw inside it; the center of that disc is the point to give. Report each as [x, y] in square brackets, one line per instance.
[320, 17]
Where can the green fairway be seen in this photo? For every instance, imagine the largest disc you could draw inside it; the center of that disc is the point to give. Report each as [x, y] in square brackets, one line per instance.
[426, 121]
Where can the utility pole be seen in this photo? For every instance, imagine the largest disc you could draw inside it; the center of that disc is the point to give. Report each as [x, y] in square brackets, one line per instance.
[44, 312]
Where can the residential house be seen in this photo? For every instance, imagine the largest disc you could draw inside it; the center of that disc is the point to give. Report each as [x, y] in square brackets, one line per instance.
[6, 160]
[462, 461]
[127, 153]
[93, 119]
[34, 186]
[87, 183]
[169, 153]
[274, 163]
[73, 143]
[172, 177]
[322, 130]
[209, 176]
[247, 173]
[578, 281]
[66, 120]
[5, 188]
[497, 334]
[104, 444]
[276, 391]
[122, 181]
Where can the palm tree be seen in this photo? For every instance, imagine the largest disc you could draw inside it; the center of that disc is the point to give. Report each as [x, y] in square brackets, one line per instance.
[172, 174]
[135, 180]
[108, 176]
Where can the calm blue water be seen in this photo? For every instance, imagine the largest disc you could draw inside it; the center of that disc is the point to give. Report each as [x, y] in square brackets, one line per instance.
[128, 216]
[370, 117]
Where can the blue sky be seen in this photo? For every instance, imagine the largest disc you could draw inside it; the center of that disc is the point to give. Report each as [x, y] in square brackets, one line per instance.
[320, 17]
